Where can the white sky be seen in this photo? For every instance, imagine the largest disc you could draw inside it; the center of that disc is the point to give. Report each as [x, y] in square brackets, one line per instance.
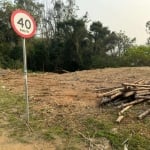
[129, 16]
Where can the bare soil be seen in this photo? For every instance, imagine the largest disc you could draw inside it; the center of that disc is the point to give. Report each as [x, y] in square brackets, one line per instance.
[76, 92]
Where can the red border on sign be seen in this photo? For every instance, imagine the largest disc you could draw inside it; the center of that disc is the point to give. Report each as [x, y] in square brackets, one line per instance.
[14, 27]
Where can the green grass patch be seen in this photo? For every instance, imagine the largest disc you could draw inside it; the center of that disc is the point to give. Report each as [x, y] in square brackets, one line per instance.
[98, 129]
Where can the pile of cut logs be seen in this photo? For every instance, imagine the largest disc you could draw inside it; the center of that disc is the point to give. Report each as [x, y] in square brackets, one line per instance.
[126, 96]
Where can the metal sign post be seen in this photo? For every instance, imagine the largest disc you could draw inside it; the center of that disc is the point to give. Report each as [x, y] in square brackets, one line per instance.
[24, 25]
[26, 79]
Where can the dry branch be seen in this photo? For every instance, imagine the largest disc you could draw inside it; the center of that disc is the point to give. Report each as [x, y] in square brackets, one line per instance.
[119, 119]
[125, 109]
[144, 114]
[136, 85]
[132, 103]
[142, 93]
[116, 95]
[143, 97]
[126, 96]
[141, 89]
[91, 143]
[108, 99]
[111, 92]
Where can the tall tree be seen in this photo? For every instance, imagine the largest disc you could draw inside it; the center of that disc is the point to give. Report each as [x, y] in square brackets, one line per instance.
[58, 11]
[35, 8]
[123, 43]
[99, 35]
[6, 34]
[73, 33]
[8, 39]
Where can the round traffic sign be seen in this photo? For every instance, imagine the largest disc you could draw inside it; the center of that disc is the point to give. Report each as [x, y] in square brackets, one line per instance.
[23, 23]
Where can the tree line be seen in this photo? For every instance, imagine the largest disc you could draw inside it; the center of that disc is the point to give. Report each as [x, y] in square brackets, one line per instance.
[65, 41]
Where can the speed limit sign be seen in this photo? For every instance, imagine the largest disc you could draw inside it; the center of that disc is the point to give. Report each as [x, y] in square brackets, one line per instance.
[23, 23]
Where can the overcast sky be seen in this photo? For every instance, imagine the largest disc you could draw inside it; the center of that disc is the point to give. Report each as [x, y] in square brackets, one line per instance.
[129, 16]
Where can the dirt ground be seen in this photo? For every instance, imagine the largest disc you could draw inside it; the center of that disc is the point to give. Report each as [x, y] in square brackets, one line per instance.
[78, 89]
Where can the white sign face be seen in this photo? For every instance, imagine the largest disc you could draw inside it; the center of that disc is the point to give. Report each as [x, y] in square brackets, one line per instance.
[23, 23]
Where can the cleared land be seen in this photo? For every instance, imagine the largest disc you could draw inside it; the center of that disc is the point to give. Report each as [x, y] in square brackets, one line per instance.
[64, 112]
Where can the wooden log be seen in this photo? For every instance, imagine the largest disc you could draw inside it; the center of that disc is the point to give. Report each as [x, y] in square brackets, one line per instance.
[132, 103]
[116, 95]
[121, 101]
[143, 97]
[146, 92]
[119, 119]
[141, 89]
[125, 109]
[131, 88]
[129, 94]
[111, 92]
[144, 114]
[126, 98]
[135, 85]
[107, 99]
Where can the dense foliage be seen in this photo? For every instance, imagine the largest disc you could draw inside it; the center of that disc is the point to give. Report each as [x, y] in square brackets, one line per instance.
[64, 41]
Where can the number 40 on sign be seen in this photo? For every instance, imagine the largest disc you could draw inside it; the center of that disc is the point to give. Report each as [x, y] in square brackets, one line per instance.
[23, 23]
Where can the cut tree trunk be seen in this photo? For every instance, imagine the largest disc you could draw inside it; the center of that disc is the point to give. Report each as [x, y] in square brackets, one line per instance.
[132, 103]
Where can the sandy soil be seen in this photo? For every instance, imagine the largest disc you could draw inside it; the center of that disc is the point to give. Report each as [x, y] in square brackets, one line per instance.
[9, 144]
[78, 89]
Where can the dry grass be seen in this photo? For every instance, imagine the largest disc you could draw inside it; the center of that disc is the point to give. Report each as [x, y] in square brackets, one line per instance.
[64, 111]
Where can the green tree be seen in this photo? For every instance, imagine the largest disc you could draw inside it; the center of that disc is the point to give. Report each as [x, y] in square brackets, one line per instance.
[6, 33]
[99, 35]
[8, 39]
[123, 43]
[38, 55]
[73, 33]
[137, 56]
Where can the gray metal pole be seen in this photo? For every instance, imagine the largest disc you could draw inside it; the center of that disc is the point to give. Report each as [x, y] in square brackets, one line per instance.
[26, 80]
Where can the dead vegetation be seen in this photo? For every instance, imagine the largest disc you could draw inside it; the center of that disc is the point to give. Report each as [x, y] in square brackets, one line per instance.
[127, 96]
